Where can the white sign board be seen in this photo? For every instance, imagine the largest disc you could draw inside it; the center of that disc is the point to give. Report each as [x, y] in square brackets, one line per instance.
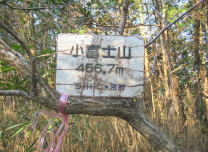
[100, 65]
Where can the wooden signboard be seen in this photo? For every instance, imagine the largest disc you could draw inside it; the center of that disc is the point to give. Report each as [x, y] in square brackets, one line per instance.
[100, 65]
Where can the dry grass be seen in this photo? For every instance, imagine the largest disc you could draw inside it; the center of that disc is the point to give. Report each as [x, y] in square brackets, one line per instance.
[93, 134]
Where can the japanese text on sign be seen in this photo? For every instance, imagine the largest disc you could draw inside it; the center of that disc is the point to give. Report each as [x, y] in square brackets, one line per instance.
[92, 52]
[97, 65]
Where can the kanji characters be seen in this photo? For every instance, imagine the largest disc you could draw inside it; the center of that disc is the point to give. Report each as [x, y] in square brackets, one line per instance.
[108, 52]
[77, 50]
[92, 51]
[124, 55]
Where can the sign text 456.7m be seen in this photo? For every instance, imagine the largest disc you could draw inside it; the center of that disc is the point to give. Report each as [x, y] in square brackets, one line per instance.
[98, 68]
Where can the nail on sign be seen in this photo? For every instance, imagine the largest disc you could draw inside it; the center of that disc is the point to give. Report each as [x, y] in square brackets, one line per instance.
[100, 65]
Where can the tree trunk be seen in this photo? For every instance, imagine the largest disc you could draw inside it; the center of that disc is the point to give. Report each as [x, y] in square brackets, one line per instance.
[170, 82]
[159, 140]
[197, 63]
[205, 83]
[174, 106]
[203, 71]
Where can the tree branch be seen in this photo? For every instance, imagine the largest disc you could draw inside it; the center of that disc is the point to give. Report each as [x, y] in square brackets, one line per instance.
[25, 9]
[4, 44]
[15, 93]
[107, 11]
[125, 14]
[14, 35]
[169, 25]
[15, 59]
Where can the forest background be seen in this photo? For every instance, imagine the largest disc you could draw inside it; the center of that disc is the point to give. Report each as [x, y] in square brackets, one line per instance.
[176, 65]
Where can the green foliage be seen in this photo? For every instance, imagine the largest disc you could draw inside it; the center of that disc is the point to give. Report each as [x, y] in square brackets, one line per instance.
[31, 147]
[14, 130]
[18, 48]
[45, 53]
[10, 79]
[4, 67]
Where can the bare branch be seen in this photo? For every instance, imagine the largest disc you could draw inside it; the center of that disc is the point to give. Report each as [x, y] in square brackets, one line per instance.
[135, 26]
[17, 60]
[25, 9]
[15, 93]
[33, 80]
[107, 11]
[14, 35]
[27, 50]
[125, 14]
[4, 44]
[169, 25]
[129, 26]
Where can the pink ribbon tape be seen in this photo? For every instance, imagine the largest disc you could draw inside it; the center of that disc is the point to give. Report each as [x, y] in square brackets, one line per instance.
[60, 132]
[62, 103]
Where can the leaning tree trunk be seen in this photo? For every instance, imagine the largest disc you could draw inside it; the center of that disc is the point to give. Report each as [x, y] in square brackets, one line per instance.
[127, 109]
